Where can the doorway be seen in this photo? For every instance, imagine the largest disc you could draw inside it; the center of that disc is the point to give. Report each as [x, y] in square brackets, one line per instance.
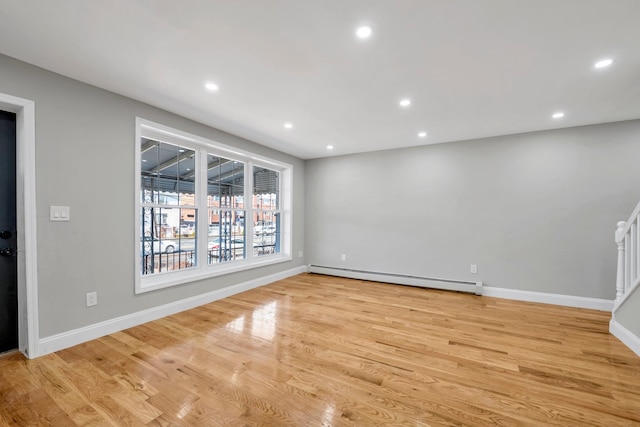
[8, 234]
[25, 244]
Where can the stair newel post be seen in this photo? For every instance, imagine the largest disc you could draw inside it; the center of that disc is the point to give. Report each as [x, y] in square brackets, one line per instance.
[621, 255]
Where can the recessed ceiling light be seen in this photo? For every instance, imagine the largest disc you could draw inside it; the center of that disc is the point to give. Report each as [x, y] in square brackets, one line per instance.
[422, 134]
[329, 147]
[211, 87]
[288, 126]
[181, 151]
[405, 102]
[603, 63]
[364, 32]
[558, 115]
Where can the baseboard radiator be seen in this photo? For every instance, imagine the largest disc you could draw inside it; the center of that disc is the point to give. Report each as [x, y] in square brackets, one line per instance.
[400, 279]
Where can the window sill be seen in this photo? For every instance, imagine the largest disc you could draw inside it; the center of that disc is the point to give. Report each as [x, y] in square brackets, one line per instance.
[175, 278]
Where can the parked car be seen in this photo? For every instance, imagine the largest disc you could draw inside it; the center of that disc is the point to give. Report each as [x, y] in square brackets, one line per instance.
[159, 246]
[216, 246]
[264, 244]
[264, 229]
[186, 229]
[264, 240]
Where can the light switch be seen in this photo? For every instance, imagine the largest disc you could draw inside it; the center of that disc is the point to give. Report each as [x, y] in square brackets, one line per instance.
[59, 213]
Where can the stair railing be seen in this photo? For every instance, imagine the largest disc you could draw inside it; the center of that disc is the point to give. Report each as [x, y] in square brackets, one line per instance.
[628, 240]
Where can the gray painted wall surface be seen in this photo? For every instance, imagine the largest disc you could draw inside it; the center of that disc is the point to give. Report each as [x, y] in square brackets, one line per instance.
[629, 314]
[85, 159]
[534, 211]
[506, 204]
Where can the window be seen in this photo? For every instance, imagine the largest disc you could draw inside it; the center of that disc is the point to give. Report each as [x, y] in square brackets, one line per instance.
[168, 207]
[266, 213]
[205, 209]
[225, 202]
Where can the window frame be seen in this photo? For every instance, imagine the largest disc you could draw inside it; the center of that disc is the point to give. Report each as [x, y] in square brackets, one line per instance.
[203, 146]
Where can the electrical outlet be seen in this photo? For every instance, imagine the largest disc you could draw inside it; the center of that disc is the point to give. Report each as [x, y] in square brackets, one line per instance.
[473, 269]
[92, 299]
[300, 254]
[344, 257]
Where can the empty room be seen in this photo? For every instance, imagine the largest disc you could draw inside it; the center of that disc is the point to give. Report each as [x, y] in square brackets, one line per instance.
[330, 213]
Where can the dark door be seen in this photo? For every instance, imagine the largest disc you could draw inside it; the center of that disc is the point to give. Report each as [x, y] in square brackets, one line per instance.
[8, 238]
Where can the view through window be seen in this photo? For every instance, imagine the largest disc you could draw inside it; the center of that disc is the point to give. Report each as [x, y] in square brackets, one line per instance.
[168, 212]
[205, 209]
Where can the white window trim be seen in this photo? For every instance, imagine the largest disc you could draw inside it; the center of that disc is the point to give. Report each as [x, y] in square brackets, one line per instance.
[149, 129]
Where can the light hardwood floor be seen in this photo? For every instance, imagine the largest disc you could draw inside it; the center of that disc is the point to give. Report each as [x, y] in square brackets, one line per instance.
[322, 351]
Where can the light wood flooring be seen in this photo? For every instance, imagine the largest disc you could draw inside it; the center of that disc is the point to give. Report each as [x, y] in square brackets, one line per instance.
[322, 351]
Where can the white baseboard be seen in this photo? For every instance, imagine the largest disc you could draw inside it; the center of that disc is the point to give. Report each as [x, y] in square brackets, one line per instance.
[556, 299]
[77, 336]
[462, 286]
[625, 335]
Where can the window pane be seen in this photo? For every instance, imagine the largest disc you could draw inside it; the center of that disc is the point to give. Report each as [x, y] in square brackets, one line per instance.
[226, 236]
[266, 189]
[266, 229]
[225, 183]
[167, 173]
[213, 182]
[232, 196]
[164, 246]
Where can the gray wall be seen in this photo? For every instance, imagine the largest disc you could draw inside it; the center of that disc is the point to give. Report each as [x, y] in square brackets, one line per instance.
[534, 211]
[629, 314]
[85, 159]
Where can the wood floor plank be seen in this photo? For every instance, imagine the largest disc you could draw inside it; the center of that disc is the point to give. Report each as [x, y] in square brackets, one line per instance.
[314, 350]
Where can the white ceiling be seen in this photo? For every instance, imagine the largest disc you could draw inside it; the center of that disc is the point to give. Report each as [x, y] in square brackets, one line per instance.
[472, 68]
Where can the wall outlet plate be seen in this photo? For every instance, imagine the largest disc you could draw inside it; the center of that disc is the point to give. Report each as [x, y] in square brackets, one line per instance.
[59, 213]
[92, 299]
[473, 269]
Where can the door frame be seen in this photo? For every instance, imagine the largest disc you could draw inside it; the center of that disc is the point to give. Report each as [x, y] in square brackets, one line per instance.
[28, 331]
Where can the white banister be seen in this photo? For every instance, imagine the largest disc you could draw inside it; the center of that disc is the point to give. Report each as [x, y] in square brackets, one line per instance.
[627, 262]
[628, 242]
[628, 275]
[633, 266]
[637, 246]
[633, 218]
[620, 279]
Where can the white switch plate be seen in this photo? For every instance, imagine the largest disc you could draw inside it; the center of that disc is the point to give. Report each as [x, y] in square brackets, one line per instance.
[59, 213]
[92, 299]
